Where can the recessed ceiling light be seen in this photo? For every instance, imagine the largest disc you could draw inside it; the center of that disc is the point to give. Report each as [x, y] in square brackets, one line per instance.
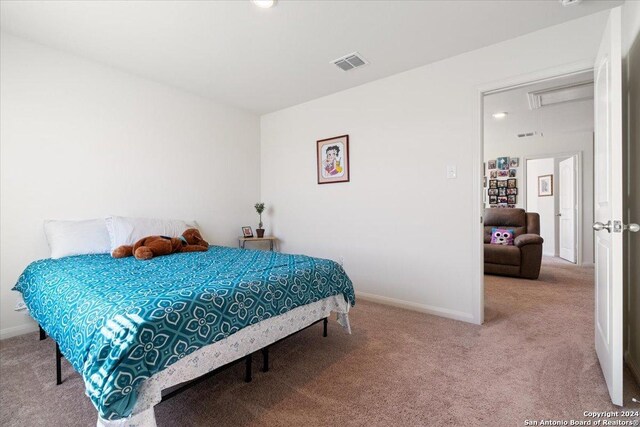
[500, 115]
[264, 4]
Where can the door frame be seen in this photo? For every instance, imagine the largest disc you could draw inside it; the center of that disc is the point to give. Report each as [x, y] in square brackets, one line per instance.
[577, 155]
[478, 160]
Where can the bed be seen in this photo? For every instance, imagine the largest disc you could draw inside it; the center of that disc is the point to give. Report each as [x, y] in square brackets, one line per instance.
[134, 328]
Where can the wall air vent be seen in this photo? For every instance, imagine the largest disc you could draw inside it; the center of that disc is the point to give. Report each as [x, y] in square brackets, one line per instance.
[529, 134]
[349, 62]
[560, 94]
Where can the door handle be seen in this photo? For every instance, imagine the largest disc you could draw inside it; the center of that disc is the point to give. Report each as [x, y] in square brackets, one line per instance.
[600, 226]
[634, 228]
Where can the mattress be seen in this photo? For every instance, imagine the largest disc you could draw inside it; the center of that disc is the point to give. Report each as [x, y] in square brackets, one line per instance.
[120, 321]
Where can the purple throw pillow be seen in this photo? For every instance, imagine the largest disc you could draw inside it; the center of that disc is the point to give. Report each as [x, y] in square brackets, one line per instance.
[502, 236]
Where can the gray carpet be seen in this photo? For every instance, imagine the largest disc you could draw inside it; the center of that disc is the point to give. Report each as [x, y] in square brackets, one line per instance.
[533, 359]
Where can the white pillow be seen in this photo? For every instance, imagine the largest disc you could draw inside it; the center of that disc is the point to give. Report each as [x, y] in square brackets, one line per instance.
[68, 238]
[126, 231]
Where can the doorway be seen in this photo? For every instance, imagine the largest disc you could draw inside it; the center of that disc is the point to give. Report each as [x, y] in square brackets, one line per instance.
[540, 134]
[560, 205]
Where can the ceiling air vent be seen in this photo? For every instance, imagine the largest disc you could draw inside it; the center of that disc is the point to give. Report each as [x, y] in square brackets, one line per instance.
[529, 134]
[349, 62]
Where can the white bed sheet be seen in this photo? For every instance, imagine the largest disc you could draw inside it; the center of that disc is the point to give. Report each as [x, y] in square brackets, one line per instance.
[220, 353]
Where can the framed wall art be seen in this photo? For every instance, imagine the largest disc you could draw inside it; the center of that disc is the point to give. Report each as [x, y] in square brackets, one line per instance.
[502, 163]
[545, 185]
[333, 159]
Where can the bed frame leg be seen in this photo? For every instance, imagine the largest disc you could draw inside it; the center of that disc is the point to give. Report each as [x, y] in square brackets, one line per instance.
[325, 322]
[265, 359]
[43, 334]
[58, 365]
[247, 368]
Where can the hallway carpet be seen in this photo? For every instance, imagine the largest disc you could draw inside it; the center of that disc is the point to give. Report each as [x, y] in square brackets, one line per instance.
[533, 359]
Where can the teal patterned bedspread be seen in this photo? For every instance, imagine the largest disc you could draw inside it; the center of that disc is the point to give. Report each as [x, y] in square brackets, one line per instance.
[119, 321]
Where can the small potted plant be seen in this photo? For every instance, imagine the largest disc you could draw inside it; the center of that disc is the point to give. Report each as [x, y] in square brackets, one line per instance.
[260, 208]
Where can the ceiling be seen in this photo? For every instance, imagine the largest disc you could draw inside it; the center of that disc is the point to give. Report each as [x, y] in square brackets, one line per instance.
[264, 60]
[565, 117]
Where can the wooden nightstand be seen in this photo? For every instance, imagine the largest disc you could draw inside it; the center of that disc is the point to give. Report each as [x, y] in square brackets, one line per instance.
[270, 239]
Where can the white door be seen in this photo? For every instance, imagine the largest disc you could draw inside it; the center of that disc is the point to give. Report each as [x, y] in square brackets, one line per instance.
[608, 206]
[567, 209]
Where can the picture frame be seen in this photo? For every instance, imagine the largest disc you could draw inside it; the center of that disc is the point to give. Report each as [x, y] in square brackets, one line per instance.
[512, 191]
[491, 164]
[512, 183]
[512, 173]
[502, 191]
[502, 163]
[502, 200]
[502, 184]
[511, 199]
[247, 232]
[333, 160]
[493, 200]
[514, 162]
[493, 183]
[545, 185]
[493, 174]
[493, 191]
[503, 173]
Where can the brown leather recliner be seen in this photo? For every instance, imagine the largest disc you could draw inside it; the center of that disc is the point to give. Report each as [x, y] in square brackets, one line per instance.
[523, 258]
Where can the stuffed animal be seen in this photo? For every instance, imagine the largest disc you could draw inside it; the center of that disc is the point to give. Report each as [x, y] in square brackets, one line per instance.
[148, 247]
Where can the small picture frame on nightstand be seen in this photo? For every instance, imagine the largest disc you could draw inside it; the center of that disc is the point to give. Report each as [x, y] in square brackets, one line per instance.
[247, 231]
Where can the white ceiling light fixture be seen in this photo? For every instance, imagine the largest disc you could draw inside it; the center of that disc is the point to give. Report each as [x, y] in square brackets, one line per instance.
[264, 4]
[500, 115]
[566, 3]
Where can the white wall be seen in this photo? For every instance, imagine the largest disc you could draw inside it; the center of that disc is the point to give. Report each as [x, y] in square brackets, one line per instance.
[545, 206]
[404, 230]
[81, 140]
[631, 51]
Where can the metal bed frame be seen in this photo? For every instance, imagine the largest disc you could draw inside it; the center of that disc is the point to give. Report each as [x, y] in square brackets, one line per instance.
[248, 360]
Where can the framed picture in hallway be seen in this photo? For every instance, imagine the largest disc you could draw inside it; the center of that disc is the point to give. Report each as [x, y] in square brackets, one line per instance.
[333, 159]
[545, 185]
[502, 163]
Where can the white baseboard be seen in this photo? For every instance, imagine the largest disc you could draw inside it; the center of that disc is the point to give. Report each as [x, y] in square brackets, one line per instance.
[635, 369]
[18, 330]
[437, 311]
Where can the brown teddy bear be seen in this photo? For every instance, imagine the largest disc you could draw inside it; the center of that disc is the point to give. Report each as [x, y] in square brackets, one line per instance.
[148, 247]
